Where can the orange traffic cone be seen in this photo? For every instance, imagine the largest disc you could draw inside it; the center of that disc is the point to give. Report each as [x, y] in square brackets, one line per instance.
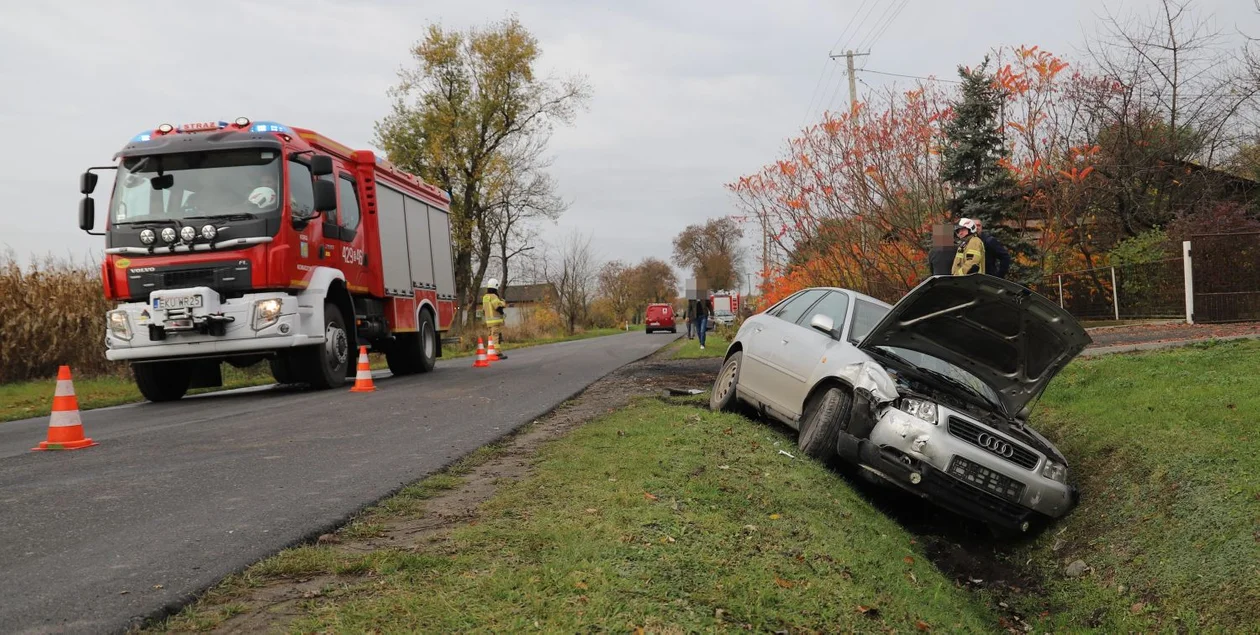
[363, 376]
[65, 428]
[481, 362]
[492, 354]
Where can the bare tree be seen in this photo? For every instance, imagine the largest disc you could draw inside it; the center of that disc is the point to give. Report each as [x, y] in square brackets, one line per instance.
[616, 284]
[573, 272]
[523, 195]
[712, 251]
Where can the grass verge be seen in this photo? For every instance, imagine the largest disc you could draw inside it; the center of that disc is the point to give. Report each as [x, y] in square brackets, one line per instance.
[714, 346]
[1166, 449]
[720, 531]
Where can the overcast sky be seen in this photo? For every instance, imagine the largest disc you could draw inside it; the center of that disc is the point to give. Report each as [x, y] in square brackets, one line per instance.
[688, 95]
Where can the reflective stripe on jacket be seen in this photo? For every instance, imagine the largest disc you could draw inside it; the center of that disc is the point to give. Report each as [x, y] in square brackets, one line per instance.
[490, 305]
[970, 257]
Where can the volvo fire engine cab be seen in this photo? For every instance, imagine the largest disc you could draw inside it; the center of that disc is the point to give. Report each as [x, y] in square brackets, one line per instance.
[246, 241]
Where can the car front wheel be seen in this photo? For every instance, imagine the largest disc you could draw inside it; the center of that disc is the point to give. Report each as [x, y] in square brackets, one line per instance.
[724, 389]
[825, 416]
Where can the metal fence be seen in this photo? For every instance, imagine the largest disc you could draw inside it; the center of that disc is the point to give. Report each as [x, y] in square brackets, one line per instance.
[1154, 290]
[1226, 278]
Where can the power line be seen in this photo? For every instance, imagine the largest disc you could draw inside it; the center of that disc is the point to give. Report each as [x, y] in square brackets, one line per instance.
[929, 79]
[848, 26]
[887, 24]
[824, 77]
[878, 21]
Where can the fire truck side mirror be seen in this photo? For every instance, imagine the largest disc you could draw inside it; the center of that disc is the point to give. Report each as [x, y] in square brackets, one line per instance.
[87, 214]
[325, 196]
[87, 183]
[321, 165]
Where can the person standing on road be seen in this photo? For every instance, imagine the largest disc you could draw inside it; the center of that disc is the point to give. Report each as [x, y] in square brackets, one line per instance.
[997, 260]
[941, 256]
[969, 258]
[704, 309]
[492, 307]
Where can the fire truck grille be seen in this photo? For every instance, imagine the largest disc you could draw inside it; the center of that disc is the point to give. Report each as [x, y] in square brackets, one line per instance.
[224, 277]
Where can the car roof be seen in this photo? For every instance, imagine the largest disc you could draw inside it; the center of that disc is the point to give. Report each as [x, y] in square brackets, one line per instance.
[855, 294]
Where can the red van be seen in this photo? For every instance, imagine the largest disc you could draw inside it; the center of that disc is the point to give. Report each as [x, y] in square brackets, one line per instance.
[659, 317]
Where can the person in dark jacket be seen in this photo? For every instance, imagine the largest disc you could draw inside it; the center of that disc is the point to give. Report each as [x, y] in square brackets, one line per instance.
[704, 310]
[997, 260]
[941, 256]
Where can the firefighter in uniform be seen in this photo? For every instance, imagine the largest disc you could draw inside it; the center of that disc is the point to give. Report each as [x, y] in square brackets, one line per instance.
[492, 312]
[969, 258]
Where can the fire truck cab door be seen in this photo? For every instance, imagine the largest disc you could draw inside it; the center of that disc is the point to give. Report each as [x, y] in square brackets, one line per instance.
[343, 234]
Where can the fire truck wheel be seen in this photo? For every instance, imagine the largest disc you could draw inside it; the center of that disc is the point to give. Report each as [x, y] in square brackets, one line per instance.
[427, 355]
[413, 353]
[284, 369]
[162, 381]
[327, 363]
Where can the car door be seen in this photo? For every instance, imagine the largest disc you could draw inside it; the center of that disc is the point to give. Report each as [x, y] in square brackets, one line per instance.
[800, 348]
[761, 373]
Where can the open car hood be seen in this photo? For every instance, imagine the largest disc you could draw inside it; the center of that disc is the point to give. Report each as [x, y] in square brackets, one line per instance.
[1005, 334]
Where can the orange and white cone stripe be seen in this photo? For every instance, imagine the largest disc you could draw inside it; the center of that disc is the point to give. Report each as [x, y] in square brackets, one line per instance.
[492, 353]
[481, 362]
[363, 375]
[65, 425]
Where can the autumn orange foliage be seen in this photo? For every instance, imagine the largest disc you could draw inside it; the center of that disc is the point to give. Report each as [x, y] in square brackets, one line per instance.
[852, 200]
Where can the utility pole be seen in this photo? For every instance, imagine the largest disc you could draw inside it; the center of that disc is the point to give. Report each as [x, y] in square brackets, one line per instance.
[848, 56]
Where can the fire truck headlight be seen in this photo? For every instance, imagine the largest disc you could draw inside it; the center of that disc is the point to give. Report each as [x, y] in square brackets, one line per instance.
[266, 313]
[168, 235]
[165, 128]
[119, 325]
[188, 233]
[209, 232]
[147, 236]
[241, 122]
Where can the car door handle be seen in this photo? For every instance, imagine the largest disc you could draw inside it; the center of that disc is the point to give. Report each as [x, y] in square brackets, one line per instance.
[785, 342]
[759, 329]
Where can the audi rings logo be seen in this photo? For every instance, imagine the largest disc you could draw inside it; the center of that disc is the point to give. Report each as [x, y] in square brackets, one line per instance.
[995, 445]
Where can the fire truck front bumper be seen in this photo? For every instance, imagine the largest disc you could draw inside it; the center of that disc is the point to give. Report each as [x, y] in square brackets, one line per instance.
[189, 323]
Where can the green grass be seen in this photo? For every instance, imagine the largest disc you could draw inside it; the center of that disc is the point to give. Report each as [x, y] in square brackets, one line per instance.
[718, 532]
[1167, 450]
[714, 346]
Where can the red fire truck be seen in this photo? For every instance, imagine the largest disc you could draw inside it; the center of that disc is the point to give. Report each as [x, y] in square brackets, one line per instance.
[249, 240]
[725, 306]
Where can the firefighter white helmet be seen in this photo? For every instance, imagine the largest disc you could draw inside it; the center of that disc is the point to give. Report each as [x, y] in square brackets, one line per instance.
[492, 283]
[263, 197]
[969, 225]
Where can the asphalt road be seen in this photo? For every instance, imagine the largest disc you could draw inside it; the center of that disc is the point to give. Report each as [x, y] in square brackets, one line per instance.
[179, 495]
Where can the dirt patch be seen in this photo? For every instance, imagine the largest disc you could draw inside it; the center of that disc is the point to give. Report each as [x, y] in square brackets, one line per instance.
[277, 602]
[1168, 332]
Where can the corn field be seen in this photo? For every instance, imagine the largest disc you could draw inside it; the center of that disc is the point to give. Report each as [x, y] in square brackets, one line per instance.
[51, 313]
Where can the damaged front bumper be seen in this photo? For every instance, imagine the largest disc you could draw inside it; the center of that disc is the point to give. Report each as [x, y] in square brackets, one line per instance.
[924, 459]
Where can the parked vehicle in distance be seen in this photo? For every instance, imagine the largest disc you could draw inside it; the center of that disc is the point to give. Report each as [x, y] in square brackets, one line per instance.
[659, 317]
[725, 306]
[931, 395]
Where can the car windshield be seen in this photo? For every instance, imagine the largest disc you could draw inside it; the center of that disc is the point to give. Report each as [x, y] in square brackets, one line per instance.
[196, 185]
[866, 315]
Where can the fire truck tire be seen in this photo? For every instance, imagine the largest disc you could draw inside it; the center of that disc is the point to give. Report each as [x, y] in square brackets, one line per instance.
[284, 370]
[162, 381]
[413, 353]
[326, 365]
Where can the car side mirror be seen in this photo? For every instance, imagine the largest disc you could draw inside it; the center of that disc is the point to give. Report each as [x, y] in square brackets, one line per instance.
[325, 196]
[87, 183]
[321, 165]
[824, 323]
[87, 213]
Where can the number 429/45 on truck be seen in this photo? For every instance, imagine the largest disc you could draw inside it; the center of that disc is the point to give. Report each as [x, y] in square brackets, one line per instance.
[246, 241]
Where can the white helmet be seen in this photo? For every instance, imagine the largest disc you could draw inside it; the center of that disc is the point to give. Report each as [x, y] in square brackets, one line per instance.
[492, 283]
[263, 197]
[969, 224]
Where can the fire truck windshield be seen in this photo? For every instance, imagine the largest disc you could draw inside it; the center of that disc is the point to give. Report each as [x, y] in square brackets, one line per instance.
[196, 184]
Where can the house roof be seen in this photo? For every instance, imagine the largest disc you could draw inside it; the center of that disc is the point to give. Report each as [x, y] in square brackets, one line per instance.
[527, 292]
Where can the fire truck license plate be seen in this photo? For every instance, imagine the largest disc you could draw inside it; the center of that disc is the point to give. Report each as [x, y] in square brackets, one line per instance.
[185, 302]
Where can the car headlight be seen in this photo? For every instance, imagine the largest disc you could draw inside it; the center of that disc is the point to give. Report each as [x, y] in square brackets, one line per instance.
[147, 236]
[266, 313]
[119, 324]
[920, 408]
[209, 232]
[1055, 471]
[168, 234]
[188, 233]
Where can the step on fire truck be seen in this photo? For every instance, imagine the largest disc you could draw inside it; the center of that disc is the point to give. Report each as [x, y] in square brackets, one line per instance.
[251, 240]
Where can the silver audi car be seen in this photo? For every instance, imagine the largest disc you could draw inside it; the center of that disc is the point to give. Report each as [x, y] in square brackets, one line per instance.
[931, 395]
